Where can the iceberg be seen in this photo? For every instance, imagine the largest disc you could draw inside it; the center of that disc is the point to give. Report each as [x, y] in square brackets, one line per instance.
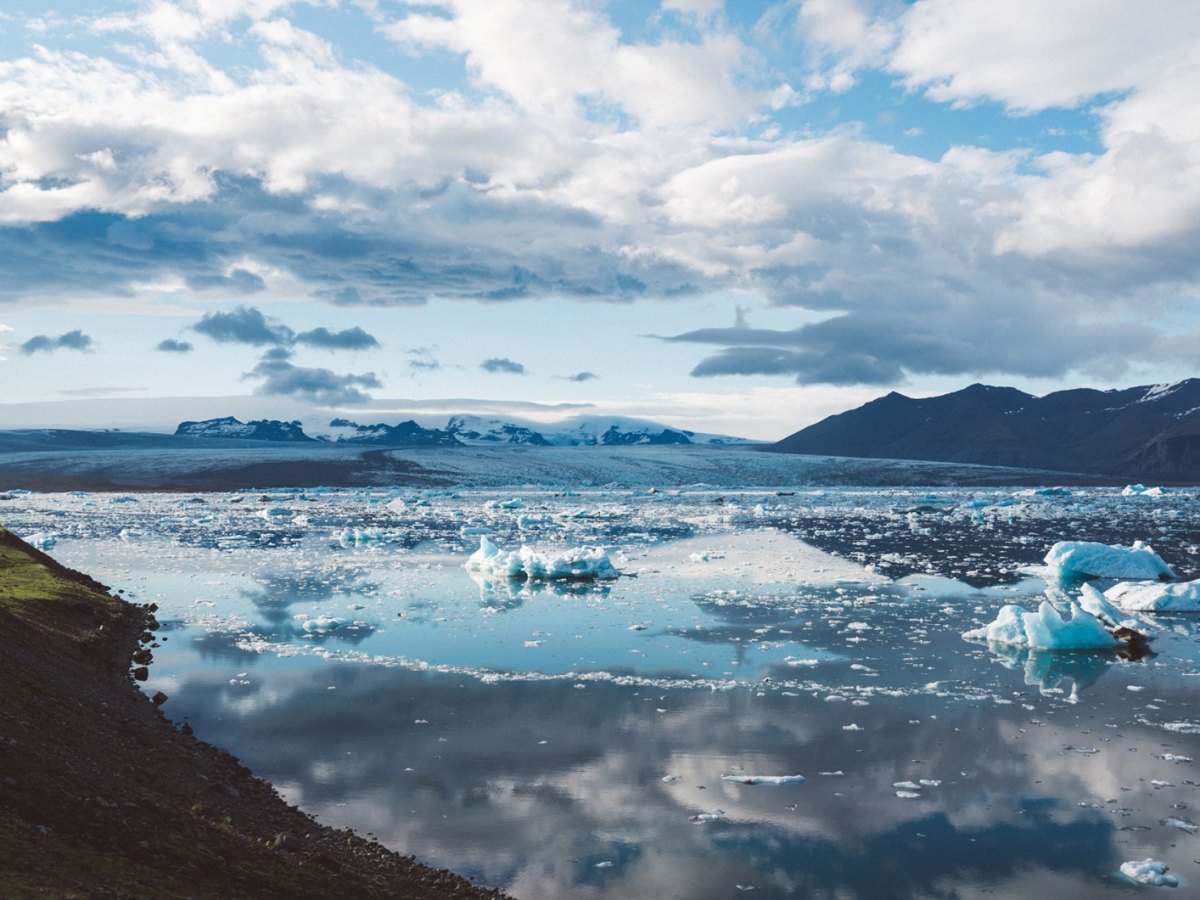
[1046, 629]
[1148, 871]
[1153, 597]
[576, 564]
[1140, 490]
[1088, 559]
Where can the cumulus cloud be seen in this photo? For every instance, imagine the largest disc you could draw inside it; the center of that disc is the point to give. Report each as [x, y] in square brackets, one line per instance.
[501, 365]
[71, 340]
[248, 325]
[347, 339]
[278, 376]
[244, 325]
[623, 166]
[171, 345]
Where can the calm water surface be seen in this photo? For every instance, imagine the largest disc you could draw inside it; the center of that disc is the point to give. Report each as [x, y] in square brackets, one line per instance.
[571, 741]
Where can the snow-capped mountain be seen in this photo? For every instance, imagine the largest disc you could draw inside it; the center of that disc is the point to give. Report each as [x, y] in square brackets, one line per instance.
[257, 430]
[581, 431]
[405, 434]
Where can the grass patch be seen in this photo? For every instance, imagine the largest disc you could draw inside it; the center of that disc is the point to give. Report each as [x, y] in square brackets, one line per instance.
[29, 577]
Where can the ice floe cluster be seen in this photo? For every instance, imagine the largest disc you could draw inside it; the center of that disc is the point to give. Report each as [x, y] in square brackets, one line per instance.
[525, 563]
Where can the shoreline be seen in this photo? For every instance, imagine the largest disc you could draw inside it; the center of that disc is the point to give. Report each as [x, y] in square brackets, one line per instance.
[102, 796]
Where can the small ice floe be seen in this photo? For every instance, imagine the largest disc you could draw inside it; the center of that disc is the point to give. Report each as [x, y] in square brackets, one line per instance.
[359, 537]
[576, 564]
[670, 779]
[702, 818]
[275, 513]
[320, 624]
[705, 556]
[1148, 871]
[1088, 559]
[41, 540]
[907, 785]
[908, 795]
[1153, 597]
[513, 503]
[765, 779]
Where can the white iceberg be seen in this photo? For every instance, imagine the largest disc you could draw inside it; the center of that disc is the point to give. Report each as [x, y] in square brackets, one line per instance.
[1140, 490]
[1153, 597]
[1088, 559]
[576, 564]
[1046, 629]
[1148, 871]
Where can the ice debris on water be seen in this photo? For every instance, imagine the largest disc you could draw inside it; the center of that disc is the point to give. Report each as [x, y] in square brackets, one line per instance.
[1154, 597]
[576, 564]
[765, 779]
[1148, 871]
[1089, 559]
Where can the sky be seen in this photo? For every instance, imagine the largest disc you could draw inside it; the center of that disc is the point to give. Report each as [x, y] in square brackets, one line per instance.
[733, 217]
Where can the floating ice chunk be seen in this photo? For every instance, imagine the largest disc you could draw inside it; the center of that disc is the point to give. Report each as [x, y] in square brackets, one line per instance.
[1088, 559]
[359, 537]
[1046, 629]
[513, 503]
[765, 779]
[42, 540]
[1148, 871]
[322, 624]
[576, 564]
[1140, 490]
[276, 513]
[908, 795]
[701, 818]
[1152, 597]
[907, 785]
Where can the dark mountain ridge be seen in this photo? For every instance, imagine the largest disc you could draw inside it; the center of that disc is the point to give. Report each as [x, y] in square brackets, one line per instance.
[1151, 431]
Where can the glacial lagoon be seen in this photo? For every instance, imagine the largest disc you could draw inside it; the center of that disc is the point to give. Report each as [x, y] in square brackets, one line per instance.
[592, 739]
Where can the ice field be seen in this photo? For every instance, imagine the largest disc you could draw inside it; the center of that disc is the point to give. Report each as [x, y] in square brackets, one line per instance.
[681, 693]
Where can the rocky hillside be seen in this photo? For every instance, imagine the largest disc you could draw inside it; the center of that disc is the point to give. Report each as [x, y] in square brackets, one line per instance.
[1152, 431]
[102, 796]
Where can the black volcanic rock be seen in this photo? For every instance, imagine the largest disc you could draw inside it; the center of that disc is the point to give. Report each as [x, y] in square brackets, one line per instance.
[405, 434]
[1148, 431]
[257, 430]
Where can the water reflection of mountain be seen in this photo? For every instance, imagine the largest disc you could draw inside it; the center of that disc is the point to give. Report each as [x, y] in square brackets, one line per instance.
[532, 784]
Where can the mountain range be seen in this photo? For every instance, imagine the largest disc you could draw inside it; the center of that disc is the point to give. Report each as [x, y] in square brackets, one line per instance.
[1151, 431]
[460, 430]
